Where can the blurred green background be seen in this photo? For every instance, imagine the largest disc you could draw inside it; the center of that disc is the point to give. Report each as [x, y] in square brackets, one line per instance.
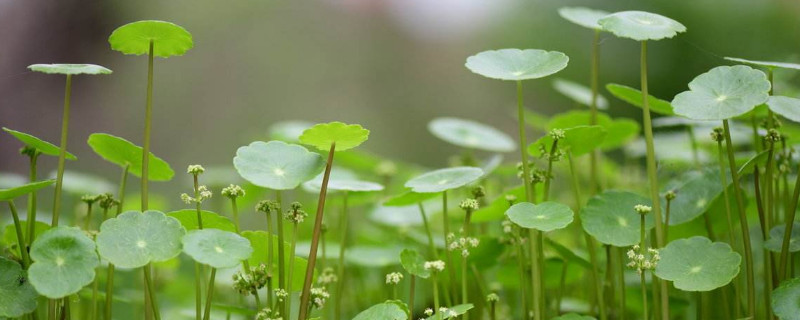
[390, 65]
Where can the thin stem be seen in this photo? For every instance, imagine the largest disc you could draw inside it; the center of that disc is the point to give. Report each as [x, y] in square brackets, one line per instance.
[451, 274]
[642, 246]
[342, 246]
[281, 251]
[621, 282]
[110, 272]
[787, 232]
[562, 282]
[522, 288]
[595, 154]
[526, 178]
[305, 296]
[652, 175]
[62, 152]
[32, 200]
[289, 281]
[411, 295]
[666, 218]
[464, 298]
[26, 261]
[724, 179]
[695, 148]
[431, 245]
[198, 291]
[151, 292]
[210, 294]
[644, 296]
[436, 295]
[536, 279]
[748, 252]
[148, 115]
[245, 263]
[269, 257]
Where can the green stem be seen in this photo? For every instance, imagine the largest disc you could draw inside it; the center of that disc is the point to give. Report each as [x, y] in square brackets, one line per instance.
[342, 246]
[305, 296]
[695, 148]
[621, 281]
[411, 295]
[62, 153]
[431, 245]
[148, 115]
[748, 252]
[536, 279]
[787, 233]
[526, 175]
[198, 292]
[281, 250]
[652, 176]
[26, 261]
[644, 296]
[245, 263]
[210, 294]
[449, 288]
[464, 297]
[436, 296]
[269, 257]
[291, 270]
[32, 200]
[595, 154]
[522, 288]
[110, 271]
[562, 283]
[151, 292]
[724, 179]
[642, 246]
[666, 219]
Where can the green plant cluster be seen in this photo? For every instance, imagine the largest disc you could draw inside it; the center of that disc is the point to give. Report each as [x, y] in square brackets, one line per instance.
[705, 229]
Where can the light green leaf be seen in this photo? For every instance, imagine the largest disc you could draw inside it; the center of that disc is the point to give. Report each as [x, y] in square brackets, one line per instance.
[346, 136]
[471, 135]
[10, 234]
[289, 131]
[389, 310]
[619, 132]
[788, 107]
[408, 198]
[578, 141]
[258, 240]
[697, 264]
[496, 209]
[775, 241]
[134, 239]
[124, 153]
[634, 97]
[277, 165]
[545, 216]
[17, 296]
[12, 193]
[516, 64]
[43, 146]
[784, 300]
[64, 259]
[211, 220]
[216, 248]
[695, 191]
[767, 64]
[168, 38]
[342, 183]
[444, 179]
[611, 219]
[723, 93]
[457, 310]
[583, 17]
[71, 69]
[573, 316]
[641, 26]
[579, 93]
[414, 263]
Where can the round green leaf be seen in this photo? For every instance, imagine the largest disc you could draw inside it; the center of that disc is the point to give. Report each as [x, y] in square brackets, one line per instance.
[788, 107]
[211, 220]
[134, 239]
[42, 146]
[496, 209]
[444, 179]
[12, 193]
[168, 38]
[619, 132]
[124, 153]
[634, 97]
[697, 264]
[389, 310]
[277, 165]
[71, 69]
[516, 64]
[10, 234]
[342, 184]
[767, 64]
[216, 248]
[641, 26]
[346, 136]
[573, 316]
[785, 300]
[578, 141]
[17, 296]
[722, 93]
[471, 135]
[64, 259]
[775, 241]
[414, 263]
[583, 17]
[610, 218]
[545, 216]
[695, 193]
[289, 131]
[579, 93]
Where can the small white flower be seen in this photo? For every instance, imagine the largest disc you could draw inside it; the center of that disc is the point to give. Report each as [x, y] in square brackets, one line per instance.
[437, 265]
[394, 278]
[195, 169]
[428, 312]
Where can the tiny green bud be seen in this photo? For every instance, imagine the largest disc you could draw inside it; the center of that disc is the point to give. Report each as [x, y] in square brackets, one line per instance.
[478, 192]
[492, 297]
[469, 205]
[718, 134]
[267, 206]
[195, 169]
[642, 209]
[557, 134]
[233, 191]
[670, 195]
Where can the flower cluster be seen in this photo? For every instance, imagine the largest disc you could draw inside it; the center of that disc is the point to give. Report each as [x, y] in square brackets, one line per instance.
[195, 169]
[463, 244]
[643, 259]
[478, 192]
[447, 313]
[233, 191]
[295, 214]
[319, 296]
[670, 195]
[718, 135]
[394, 278]
[327, 277]
[492, 298]
[268, 314]
[247, 283]
[642, 209]
[281, 294]
[469, 205]
[267, 206]
[772, 136]
[202, 194]
[435, 266]
[107, 201]
[557, 134]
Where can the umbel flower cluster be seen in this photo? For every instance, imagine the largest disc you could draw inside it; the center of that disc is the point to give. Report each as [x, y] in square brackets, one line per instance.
[462, 244]
[295, 214]
[248, 283]
[268, 314]
[642, 260]
[435, 266]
